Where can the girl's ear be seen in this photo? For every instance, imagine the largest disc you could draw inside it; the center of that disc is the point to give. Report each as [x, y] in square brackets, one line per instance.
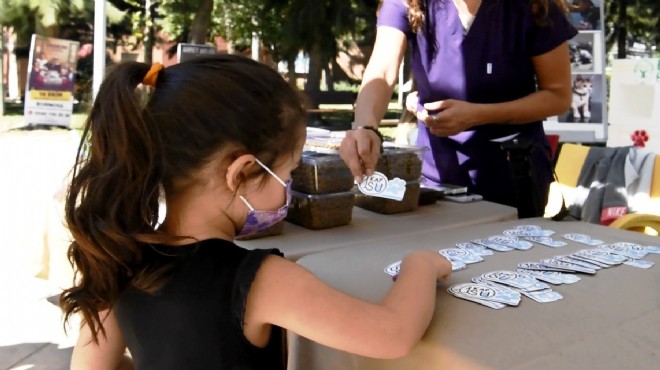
[237, 170]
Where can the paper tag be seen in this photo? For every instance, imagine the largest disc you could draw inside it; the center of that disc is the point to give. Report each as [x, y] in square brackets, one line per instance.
[551, 262]
[544, 296]
[547, 241]
[510, 296]
[377, 185]
[601, 256]
[510, 241]
[481, 292]
[491, 245]
[631, 250]
[477, 249]
[393, 269]
[460, 255]
[552, 277]
[535, 266]
[582, 263]
[540, 275]
[540, 294]
[644, 264]
[494, 305]
[582, 238]
[457, 265]
[652, 249]
[528, 230]
[597, 263]
[511, 278]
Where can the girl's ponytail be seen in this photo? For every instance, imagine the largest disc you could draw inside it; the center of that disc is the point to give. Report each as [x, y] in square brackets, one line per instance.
[112, 202]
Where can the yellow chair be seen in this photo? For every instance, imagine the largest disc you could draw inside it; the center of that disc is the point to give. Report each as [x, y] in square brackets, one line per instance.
[568, 167]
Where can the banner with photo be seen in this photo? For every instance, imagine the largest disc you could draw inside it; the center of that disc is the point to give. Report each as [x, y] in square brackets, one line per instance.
[51, 81]
[586, 120]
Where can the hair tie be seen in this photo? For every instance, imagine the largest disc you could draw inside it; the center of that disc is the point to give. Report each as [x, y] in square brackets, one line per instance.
[152, 75]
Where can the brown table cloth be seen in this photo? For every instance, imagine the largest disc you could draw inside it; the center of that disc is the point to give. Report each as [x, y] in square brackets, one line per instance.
[607, 321]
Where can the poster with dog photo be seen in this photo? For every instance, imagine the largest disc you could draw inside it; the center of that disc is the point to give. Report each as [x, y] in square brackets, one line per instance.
[586, 14]
[587, 100]
[584, 50]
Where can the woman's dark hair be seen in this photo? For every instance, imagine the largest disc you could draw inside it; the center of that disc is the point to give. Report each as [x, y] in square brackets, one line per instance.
[130, 153]
[417, 9]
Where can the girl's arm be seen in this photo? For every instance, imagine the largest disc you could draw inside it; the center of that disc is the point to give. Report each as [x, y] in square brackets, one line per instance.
[553, 73]
[108, 354]
[287, 295]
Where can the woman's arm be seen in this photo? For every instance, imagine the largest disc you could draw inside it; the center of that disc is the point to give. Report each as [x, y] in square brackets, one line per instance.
[107, 354]
[553, 73]
[361, 148]
[380, 76]
[287, 295]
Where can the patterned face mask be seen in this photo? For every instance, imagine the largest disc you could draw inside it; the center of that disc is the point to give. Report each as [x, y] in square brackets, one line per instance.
[258, 221]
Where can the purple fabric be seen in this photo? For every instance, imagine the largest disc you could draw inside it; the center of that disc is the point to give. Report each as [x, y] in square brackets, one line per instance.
[491, 64]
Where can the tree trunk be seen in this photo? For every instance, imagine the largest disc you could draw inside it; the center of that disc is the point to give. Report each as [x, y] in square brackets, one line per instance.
[291, 73]
[150, 32]
[622, 34]
[201, 23]
[313, 85]
[329, 78]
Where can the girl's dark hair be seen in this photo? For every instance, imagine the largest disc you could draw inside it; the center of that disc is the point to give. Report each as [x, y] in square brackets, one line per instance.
[417, 8]
[130, 153]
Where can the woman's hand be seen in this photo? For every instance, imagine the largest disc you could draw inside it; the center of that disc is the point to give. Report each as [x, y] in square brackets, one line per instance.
[360, 150]
[412, 99]
[455, 116]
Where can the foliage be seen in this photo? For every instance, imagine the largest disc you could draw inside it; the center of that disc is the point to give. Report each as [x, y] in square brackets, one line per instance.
[632, 20]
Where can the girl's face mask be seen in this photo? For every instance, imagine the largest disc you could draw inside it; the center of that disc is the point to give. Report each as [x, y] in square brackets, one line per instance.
[258, 221]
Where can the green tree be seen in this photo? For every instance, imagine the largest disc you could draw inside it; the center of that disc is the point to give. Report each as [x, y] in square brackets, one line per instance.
[317, 27]
[631, 20]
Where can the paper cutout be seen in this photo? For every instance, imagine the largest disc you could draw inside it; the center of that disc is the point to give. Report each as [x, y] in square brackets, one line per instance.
[377, 185]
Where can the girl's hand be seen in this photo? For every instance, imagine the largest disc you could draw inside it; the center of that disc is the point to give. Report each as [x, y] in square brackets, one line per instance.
[441, 265]
[454, 117]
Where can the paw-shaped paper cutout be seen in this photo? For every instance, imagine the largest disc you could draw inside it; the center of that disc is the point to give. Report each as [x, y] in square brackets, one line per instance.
[639, 138]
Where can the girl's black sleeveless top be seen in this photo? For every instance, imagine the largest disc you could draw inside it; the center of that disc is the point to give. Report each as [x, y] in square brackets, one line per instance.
[196, 320]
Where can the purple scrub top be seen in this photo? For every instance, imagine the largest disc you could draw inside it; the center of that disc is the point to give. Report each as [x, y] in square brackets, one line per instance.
[491, 64]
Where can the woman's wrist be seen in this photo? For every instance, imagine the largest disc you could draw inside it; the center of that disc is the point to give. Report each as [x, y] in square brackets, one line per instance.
[375, 131]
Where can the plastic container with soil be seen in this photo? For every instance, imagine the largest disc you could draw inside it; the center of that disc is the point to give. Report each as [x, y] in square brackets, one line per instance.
[320, 173]
[409, 203]
[321, 211]
[404, 162]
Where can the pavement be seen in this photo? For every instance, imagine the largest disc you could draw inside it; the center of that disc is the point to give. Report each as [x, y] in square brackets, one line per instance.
[33, 241]
[32, 335]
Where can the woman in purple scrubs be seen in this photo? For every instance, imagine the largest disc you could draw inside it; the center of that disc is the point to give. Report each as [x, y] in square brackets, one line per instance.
[488, 72]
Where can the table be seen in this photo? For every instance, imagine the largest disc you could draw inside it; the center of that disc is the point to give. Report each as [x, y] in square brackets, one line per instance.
[297, 241]
[606, 321]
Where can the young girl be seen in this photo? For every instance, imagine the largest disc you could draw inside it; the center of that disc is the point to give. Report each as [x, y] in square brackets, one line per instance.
[217, 140]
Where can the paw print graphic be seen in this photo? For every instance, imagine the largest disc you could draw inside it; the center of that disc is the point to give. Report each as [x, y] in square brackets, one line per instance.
[639, 138]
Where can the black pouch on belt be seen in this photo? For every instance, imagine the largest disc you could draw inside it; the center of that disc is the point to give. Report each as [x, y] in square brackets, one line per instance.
[519, 152]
